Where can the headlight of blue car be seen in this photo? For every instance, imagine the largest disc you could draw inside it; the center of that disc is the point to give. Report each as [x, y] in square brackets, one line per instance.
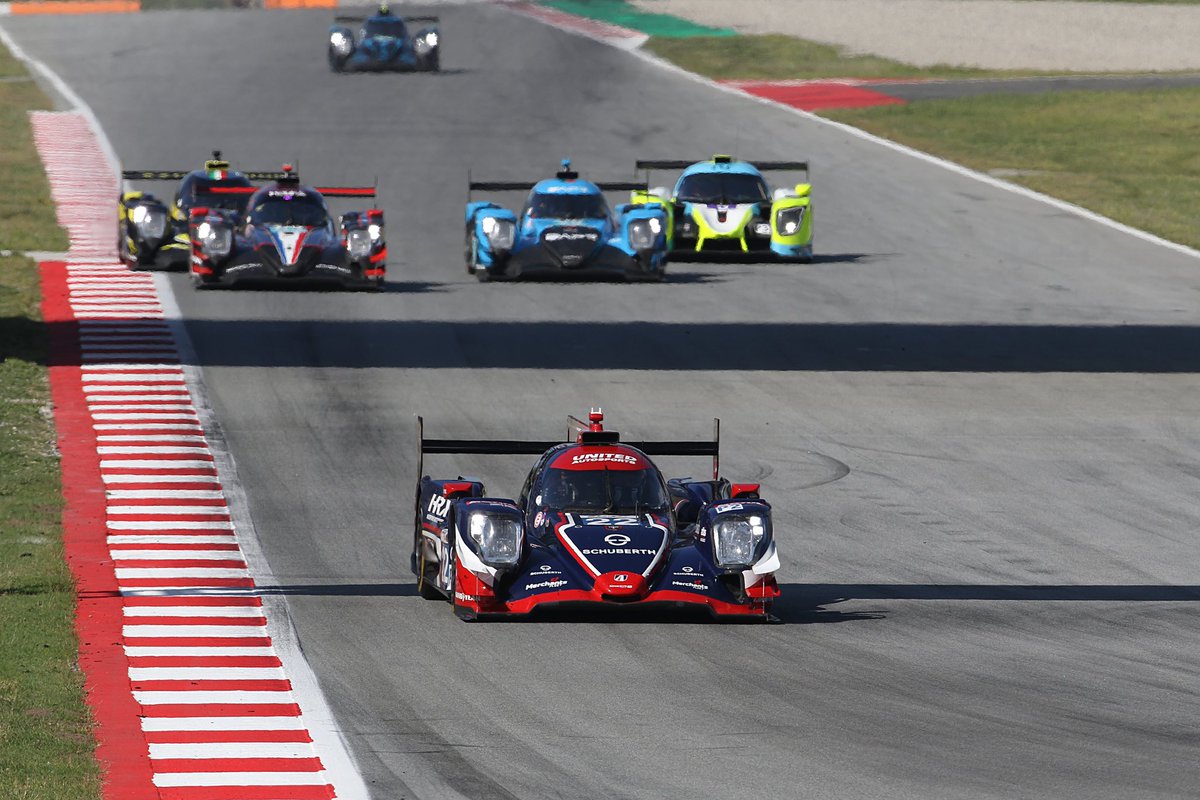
[358, 243]
[736, 539]
[643, 233]
[789, 220]
[341, 43]
[499, 233]
[498, 538]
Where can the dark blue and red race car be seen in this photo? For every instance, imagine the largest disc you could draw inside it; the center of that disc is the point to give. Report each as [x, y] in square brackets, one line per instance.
[285, 234]
[596, 523]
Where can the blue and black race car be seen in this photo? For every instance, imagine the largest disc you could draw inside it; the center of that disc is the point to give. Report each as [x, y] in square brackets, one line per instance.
[383, 42]
[725, 206]
[595, 523]
[565, 230]
[285, 235]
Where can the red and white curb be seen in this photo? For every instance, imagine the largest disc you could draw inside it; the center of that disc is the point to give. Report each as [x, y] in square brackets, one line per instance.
[615, 35]
[191, 698]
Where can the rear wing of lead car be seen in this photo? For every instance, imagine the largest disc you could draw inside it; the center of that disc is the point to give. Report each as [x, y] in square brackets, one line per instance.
[512, 447]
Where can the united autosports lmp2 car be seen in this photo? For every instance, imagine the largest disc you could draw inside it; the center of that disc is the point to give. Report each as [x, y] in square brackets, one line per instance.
[286, 235]
[596, 524]
[724, 205]
[154, 234]
[564, 230]
[383, 42]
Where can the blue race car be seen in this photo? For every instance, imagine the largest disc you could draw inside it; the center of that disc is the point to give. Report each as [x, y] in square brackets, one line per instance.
[725, 206]
[597, 524]
[383, 42]
[566, 230]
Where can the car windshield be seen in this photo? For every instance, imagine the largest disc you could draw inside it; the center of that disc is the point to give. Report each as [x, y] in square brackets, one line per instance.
[384, 27]
[199, 192]
[276, 211]
[722, 187]
[605, 490]
[567, 206]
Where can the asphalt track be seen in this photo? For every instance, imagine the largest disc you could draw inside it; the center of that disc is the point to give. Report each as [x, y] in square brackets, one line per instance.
[976, 415]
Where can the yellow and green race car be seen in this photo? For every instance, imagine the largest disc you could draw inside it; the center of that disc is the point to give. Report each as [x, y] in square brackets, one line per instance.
[152, 234]
[725, 206]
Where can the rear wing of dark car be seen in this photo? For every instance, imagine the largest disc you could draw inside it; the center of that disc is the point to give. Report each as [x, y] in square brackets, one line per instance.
[516, 447]
[178, 175]
[355, 18]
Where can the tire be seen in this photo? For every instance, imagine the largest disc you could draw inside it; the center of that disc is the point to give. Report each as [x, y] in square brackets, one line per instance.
[472, 247]
[426, 588]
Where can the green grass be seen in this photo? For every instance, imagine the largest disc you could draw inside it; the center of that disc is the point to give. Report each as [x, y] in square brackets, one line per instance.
[46, 739]
[27, 219]
[1128, 155]
[777, 57]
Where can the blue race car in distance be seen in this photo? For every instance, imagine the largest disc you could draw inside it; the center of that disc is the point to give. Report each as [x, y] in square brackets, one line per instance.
[566, 230]
[597, 524]
[725, 206]
[383, 42]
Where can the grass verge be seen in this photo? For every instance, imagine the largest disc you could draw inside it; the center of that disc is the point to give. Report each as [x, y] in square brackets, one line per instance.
[1127, 155]
[778, 57]
[46, 740]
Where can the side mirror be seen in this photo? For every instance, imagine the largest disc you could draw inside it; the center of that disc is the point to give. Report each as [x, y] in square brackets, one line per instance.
[802, 189]
[687, 512]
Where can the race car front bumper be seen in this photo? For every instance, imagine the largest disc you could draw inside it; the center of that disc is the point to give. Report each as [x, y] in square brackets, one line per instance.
[608, 262]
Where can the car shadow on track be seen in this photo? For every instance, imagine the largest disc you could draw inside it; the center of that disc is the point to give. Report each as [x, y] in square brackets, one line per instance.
[698, 345]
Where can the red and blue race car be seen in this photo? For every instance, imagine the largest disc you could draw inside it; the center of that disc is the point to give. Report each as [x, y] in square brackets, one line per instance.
[595, 523]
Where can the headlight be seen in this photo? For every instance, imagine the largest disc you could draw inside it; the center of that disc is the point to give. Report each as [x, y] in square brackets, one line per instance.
[341, 43]
[426, 43]
[736, 539]
[499, 233]
[151, 222]
[358, 242]
[499, 539]
[215, 240]
[788, 221]
[656, 225]
[376, 231]
[641, 234]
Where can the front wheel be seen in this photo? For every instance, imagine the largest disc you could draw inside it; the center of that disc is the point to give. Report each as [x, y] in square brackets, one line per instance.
[472, 248]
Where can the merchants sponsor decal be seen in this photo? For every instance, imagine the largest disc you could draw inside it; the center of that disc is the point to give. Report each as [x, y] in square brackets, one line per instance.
[695, 586]
[555, 583]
